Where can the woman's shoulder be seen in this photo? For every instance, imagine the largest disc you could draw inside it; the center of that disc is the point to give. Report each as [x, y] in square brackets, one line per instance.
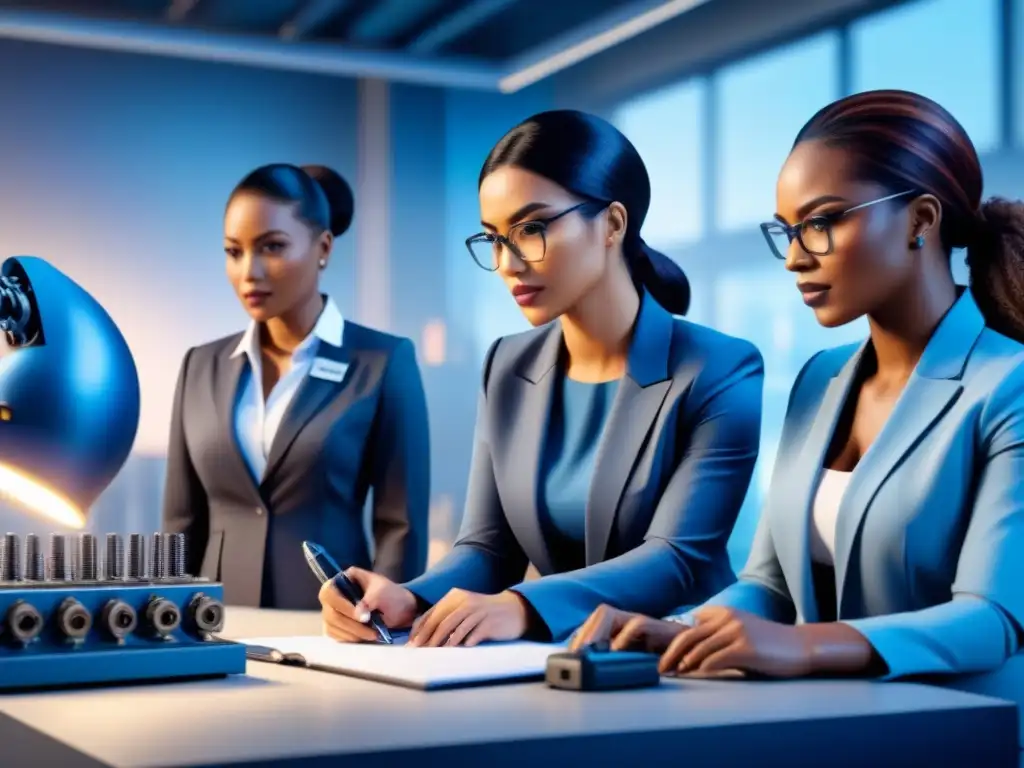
[363, 338]
[714, 350]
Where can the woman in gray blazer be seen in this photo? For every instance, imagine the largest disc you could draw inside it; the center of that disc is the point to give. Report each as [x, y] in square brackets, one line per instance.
[614, 443]
[892, 539]
[279, 432]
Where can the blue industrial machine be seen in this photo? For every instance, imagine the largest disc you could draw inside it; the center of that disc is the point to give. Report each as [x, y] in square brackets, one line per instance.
[69, 412]
[68, 621]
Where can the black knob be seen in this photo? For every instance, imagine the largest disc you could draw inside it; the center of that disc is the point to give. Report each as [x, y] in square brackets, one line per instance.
[60, 563]
[35, 563]
[207, 613]
[113, 562]
[73, 619]
[24, 622]
[163, 616]
[176, 554]
[158, 556]
[136, 557]
[119, 619]
[10, 558]
[87, 558]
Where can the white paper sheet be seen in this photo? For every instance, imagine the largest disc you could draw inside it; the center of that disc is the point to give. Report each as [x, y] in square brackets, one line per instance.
[426, 668]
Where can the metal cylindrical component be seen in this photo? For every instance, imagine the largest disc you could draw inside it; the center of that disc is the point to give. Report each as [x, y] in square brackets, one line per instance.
[207, 613]
[35, 562]
[137, 556]
[73, 619]
[158, 558]
[10, 557]
[113, 562]
[24, 622]
[88, 558]
[176, 554]
[162, 616]
[60, 563]
[119, 619]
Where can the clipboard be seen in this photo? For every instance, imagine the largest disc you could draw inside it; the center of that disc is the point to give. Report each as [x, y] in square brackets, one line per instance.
[423, 669]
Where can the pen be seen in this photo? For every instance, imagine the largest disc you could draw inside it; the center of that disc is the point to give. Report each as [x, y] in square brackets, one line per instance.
[326, 569]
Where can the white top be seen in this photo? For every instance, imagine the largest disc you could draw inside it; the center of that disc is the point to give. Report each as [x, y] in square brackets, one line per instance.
[824, 514]
[256, 421]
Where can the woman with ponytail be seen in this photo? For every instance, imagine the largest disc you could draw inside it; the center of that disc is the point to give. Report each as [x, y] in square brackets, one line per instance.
[614, 442]
[279, 431]
[892, 539]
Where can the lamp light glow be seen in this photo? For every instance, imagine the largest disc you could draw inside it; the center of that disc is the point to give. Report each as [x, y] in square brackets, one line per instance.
[69, 393]
[37, 497]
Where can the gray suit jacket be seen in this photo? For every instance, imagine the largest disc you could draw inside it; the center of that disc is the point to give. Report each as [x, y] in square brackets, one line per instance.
[675, 459]
[336, 441]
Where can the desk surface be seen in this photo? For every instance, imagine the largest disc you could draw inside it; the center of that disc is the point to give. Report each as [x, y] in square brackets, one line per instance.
[287, 716]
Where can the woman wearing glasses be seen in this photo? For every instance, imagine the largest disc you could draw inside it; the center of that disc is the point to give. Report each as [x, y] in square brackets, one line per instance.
[614, 443]
[891, 541]
[280, 431]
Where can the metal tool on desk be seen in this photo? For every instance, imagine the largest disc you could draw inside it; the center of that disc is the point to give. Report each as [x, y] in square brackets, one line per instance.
[71, 617]
[326, 569]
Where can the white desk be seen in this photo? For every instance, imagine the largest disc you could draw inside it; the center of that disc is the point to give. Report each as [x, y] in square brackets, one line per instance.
[286, 716]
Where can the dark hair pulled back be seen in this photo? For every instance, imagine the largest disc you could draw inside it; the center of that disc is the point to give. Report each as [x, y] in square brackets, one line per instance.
[594, 161]
[905, 141]
[322, 197]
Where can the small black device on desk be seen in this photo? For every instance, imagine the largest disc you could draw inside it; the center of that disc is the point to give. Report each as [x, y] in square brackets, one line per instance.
[598, 669]
[326, 569]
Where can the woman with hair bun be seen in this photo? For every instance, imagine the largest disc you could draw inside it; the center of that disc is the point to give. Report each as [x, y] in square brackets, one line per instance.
[891, 543]
[614, 441]
[279, 432]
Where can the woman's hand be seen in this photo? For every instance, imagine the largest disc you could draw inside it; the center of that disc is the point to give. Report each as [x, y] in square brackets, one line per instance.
[726, 639]
[621, 631]
[349, 623]
[468, 618]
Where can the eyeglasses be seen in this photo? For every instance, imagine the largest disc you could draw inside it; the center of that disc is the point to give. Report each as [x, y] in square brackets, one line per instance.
[527, 239]
[815, 233]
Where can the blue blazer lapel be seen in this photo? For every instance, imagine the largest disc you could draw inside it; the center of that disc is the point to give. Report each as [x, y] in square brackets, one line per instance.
[634, 411]
[526, 434]
[932, 389]
[794, 547]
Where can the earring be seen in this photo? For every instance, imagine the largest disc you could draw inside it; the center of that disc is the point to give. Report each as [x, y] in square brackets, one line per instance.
[323, 263]
[918, 243]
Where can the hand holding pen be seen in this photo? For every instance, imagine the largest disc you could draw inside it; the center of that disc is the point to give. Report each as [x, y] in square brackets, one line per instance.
[378, 603]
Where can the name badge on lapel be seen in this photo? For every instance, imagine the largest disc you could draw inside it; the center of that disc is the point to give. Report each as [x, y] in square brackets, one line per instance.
[328, 370]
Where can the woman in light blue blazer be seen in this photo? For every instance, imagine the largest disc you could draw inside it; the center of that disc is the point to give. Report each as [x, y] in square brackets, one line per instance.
[614, 442]
[892, 540]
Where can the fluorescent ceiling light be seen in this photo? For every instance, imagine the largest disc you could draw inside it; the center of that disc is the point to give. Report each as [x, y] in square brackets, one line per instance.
[617, 28]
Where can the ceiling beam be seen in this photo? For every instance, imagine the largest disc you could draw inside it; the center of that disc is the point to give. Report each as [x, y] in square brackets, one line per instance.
[179, 9]
[591, 39]
[456, 24]
[312, 16]
[388, 19]
[246, 50]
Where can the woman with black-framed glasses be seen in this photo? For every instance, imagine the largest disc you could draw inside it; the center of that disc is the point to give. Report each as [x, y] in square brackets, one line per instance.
[614, 443]
[892, 539]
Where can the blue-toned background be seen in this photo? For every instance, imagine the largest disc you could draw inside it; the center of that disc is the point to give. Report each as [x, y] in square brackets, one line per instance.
[116, 166]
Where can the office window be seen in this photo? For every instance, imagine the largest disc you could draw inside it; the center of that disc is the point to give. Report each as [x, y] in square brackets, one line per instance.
[666, 127]
[761, 104]
[947, 50]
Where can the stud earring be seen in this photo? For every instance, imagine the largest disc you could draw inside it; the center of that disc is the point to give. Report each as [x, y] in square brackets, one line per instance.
[323, 263]
[918, 243]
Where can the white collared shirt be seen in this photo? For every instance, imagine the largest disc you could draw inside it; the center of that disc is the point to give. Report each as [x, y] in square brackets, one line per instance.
[256, 421]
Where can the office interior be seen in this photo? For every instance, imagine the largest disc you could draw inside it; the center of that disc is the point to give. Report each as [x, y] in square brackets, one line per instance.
[116, 165]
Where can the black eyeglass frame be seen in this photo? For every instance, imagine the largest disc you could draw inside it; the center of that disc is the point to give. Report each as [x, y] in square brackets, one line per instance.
[493, 237]
[826, 221]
